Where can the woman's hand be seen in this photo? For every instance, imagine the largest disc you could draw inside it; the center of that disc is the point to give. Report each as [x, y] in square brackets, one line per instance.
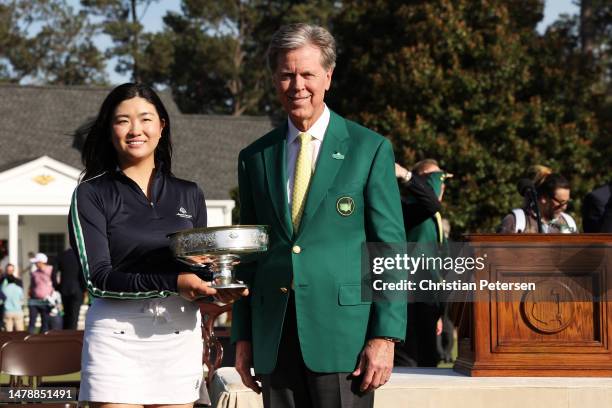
[191, 287]
[201, 259]
[231, 294]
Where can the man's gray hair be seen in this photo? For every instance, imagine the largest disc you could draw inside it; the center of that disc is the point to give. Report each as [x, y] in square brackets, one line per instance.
[419, 167]
[294, 36]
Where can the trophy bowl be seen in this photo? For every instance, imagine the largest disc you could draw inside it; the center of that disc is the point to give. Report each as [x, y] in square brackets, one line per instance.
[223, 246]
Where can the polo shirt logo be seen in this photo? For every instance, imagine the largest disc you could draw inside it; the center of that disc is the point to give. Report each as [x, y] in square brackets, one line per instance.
[183, 213]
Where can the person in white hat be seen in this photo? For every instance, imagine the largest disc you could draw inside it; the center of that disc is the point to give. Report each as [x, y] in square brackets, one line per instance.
[41, 286]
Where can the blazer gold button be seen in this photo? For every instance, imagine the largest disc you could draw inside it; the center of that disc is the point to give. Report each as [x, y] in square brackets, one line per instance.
[284, 290]
[296, 249]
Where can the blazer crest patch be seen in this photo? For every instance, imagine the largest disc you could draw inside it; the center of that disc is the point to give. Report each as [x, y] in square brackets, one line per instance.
[345, 206]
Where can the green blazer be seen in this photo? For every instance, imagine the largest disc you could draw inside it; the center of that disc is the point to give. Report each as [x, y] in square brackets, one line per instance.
[429, 231]
[333, 321]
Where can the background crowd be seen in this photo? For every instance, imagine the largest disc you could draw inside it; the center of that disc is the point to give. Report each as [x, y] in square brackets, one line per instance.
[51, 290]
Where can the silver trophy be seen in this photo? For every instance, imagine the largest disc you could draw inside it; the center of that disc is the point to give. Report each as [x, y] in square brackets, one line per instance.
[223, 246]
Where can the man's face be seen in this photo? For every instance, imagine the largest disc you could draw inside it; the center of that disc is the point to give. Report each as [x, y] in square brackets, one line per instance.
[301, 83]
[10, 270]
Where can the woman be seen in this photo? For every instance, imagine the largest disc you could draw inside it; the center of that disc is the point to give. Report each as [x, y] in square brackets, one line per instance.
[142, 342]
[12, 290]
[553, 196]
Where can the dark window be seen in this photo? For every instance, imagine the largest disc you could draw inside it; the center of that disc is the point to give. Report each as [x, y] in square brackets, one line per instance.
[51, 244]
[3, 248]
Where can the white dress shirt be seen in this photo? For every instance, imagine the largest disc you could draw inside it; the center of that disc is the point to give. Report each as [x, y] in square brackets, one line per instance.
[317, 131]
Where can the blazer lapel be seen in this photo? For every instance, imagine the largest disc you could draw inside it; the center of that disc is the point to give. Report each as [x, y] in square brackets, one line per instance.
[276, 177]
[331, 157]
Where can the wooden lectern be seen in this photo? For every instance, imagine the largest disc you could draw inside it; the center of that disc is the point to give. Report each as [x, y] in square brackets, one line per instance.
[562, 328]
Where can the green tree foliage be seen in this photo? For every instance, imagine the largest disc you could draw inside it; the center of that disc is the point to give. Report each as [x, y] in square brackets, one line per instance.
[474, 86]
[121, 20]
[596, 29]
[212, 54]
[571, 86]
[47, 42]
[596, 43]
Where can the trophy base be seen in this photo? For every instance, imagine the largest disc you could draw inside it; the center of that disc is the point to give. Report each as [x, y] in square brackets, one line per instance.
[222, 286]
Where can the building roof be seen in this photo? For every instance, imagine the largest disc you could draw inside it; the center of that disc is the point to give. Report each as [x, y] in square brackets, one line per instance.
[42, 120]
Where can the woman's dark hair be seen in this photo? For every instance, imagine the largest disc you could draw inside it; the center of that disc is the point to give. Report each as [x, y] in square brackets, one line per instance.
[550, 184]
[98, 153]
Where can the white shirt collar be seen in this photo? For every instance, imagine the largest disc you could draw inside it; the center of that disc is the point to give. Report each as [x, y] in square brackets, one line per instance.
[317, 130]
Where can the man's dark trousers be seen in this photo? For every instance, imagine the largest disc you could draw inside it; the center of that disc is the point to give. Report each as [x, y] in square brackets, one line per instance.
[72, 306]
[293, 385]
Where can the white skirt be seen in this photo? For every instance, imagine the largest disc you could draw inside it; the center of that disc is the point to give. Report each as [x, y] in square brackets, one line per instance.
[142, 352]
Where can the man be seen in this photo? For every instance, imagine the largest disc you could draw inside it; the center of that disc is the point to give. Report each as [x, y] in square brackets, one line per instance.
[420, 202]
[41, 287]
[596, 213]
[607, 218]
[325, 186]
[424, 188]
[72, 287]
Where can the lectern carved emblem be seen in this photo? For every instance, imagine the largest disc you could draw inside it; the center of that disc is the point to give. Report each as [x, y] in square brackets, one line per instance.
[549, 308]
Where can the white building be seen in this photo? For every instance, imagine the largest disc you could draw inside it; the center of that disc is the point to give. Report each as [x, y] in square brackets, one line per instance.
[40, 161]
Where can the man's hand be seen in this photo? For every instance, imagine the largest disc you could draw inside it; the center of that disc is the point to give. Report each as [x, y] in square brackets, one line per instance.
[190, 286]
[244, 362]
[375, 363]
[402, 173]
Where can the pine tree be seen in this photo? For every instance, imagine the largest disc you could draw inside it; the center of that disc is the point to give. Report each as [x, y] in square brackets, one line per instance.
[212, 54]
[472, 85]
[121, 20]
[48, 42]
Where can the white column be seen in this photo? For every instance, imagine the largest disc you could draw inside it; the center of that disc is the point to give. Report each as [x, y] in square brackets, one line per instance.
[227, 211]
[14, 240]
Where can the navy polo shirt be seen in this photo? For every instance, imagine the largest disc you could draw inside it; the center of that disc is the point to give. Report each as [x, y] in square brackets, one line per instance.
[121, 237]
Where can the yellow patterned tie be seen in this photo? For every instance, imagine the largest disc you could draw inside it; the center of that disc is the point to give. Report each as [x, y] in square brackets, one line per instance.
[439, 227]
[301, 179]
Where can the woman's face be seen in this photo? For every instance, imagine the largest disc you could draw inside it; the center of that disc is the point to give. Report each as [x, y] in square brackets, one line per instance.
[136, 130]
[553, 207]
